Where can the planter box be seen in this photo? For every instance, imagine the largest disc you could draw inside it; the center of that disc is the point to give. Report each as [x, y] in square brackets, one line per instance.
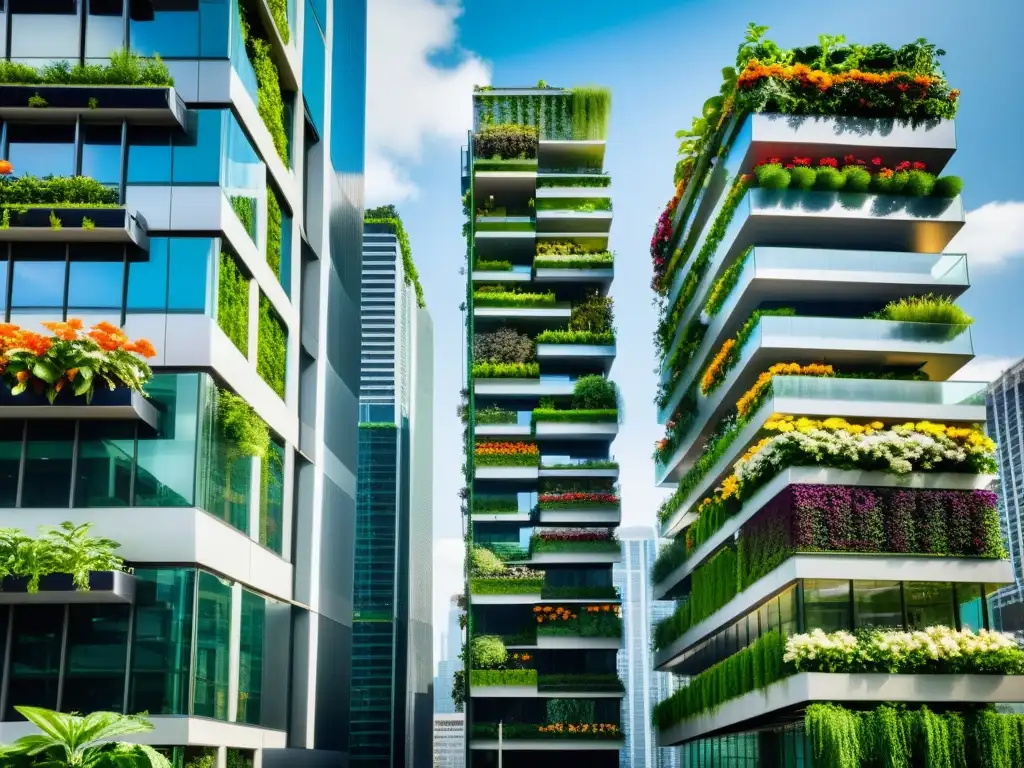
[138, 104]
[112, 225]
[568, 744]
[506, 473]
[577, 430]
[577, 643]
[582, 516]
[104, 587]
[120, 404]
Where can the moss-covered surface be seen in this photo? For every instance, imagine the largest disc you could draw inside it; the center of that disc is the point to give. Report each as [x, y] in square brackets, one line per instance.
[233, 302]
[269, 101]
[271, 363]
[273, 232]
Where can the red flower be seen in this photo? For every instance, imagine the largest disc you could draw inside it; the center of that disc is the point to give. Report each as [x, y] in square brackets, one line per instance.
[831, 162]
[876, 161]
[919, 166]
[849, 159]
[801, 161]
[904, 166]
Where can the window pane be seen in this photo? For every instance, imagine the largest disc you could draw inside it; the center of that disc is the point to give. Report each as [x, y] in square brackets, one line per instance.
[272, 498]
[149, 155]
[877, 604]
[48, 464]
[38, 285]
[147, 280]
[104, 28]
[286, 252]
[96, 285]
[3, 286]
[826, 605]
[971, 606]
[106, 452]
[214, 19]
[314, 58]
[171, 33]
[101, 150]
[190, 284]
[42, 150]
[250, 660]
[213, 632]
[44, 32]
[166, 461]
[929, 604]
[162, 642]
[96, 655]
[35, 657]
[10, 461]
[226, 472]
[787, 611]
[197, 154]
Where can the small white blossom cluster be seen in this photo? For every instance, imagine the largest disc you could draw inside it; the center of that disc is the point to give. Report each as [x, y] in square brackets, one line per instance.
[901, 451]
[934, 649]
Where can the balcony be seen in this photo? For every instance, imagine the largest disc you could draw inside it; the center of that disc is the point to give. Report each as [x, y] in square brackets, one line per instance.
[588, 277]
[592, 223]
[569, 153]
[846, 688]
[58, 588]
[565, 430]
[581, 472]
[518, 274]
[579, 358]
[541, 559]
[138, 105]
[120, 404]
[502, 430]
[53, 224]
[782, 275]
[930, 347]
[777, 135]
[536, 318]
[503, 185]
[555, 387]
[501, 237]
[583, 517]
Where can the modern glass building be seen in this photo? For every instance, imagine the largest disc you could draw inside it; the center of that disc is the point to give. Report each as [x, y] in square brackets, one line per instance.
[449, 663]
[828, 476]
[645, 687]
[541, 687]
[392, 659]
[227, 232]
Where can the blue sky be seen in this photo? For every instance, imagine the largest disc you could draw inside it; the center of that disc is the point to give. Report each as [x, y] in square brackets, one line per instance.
[661, 60]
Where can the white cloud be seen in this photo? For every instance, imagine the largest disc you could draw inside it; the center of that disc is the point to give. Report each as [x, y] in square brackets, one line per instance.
[993, 235]
[984, 368]
[408, 98]
[449, 555]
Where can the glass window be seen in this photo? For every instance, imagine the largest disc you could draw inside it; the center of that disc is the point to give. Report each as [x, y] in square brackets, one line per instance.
[227, 473]
[149, 155]
[38, 284]
[272, 498]
[787, 611]
[286, 252]
[250, 658]
[42, 32]
[197, 154]
[172, 33]
[190, 276]
[162, 640]
[106, 452]
[97, 650]
[47, 481]
[42, 150]
[147, 280]
[101, 151]
[11, 437]
[3, 286]
[214, 20]
[970, 603]
[35, 657]
[929, 604]
[877, 604]
[96, 285]
[826, 605]
[167, 460]
[213, 633]
[314, 64]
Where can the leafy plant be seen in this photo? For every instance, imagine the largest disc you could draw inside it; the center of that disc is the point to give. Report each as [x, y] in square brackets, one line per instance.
[233, 302]
[37, 101]
[94, 103]
[55, 223]
[597, 260]
[271, 351]
[504, 345]
[78, 553]
[926, 309]
[492, 370]
[483, 265]
[595, 392]
[245, 431]
[279, 12]
[87, 223]
[506, 141]
[595, 313]
[73, 740]
[575, 415]
[499, 296]
[591, 107]
[603, 338]
[269, 99]
[273, 232]
[55, 191]
[487, 652]
[567, 182]
[495, 414]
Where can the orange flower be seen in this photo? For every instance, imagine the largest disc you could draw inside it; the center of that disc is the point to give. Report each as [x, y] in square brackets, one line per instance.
[6, 168]
[540, 619]
[143, 347]
[22, 375]
[74, 322]
[714, 369]
[72, 372]
[536, 609]
[62, 331]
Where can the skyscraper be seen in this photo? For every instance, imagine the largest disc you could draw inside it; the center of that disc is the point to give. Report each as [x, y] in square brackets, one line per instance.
[217, 213]
[828, 475]
[392, 667]
[449, 664]
[645, 687]
[541, 413]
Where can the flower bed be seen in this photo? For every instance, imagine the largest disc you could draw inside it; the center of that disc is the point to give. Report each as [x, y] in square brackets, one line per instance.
[603, 260]
[853, 174]
[578, 500]
[489, 677]
[587, 464]
[512, 581]
[580, 683]
[495, 506]
[506, 454]
[602, 338]
[491, 370]
[72, 358]
[729, 353]
[576, 415]
[752, 399]
[498, 296]
[581, 731]
[574, 540]
[579, 621]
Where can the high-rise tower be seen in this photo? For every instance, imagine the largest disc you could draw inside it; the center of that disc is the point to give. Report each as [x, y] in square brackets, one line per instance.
[540, 413]
[216, 210]
[829, 479]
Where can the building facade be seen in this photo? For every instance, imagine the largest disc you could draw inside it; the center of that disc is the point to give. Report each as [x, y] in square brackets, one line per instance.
[392, 659]
[540, 414]
[219, 216]
[449, 740]
[450, 663]
[828, 475]
[645, 687]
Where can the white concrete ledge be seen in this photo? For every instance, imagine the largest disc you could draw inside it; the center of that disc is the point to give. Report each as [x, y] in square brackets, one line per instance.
[573, 558]
[532, 692]
[577, 193]
[569, 744]
[523, 387]
[582, 516]
[527, 598]
[525, 313]
[577, 643]
[946, 481]
[869, 567]
[173, 535]
[506, 473]
[581, 430]
[511, 430]
[523, 517]
[611, 472]
[859, 688]
[500, 276]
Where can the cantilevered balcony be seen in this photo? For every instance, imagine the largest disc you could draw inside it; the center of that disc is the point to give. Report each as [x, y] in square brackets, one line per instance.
[582, 472]
[570, 154]
[578, 358]
[568, 220]
[566, 430]
[773, 276]
[540, 387]
[583, 517]
[55, 223]
[119, 404]
[138, 105]
[502, 184]
[500, 237]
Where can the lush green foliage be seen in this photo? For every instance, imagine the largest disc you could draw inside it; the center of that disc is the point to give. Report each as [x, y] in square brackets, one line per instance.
[271, 361]
[269, 101]
[497, 296]
[853, 178]
[274, 232]
[588, 623]
[725, 283]
[487, 651]
[279, 11]
[125, 68]
[504, 165]
[483, 265]
[495, 414]
[602, 338]
[581, 682]
[588, 464]
[245, 210]
[388, 214]
[565, 182]
[595, 313]
[671, 556]
[926, 309]
[245, 431]
[498, 505]
[68, 741]
[489, 370]
[591, 107]
[574, 204]
[233, 303]
[576, 415]
[503, 346]
[595, 392]
[67, 548]
[485, 562]
[506, 141]
[69, 191]
[602, 260]
[755, 667]
[498, 585]
[503, 677]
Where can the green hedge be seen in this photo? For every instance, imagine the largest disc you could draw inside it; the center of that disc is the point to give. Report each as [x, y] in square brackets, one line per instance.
[506, 460]
[497, 586]
[573, 416]
[64, 191]
[755, 667]
[489, 370]
[503, 677]
[600, 338]
[539, 544]
[274, 233]
[125, 68]
[582, 682]
[492, 298]
[491, 506]
[233, 302]
[484, 265]
[269, 100]
[579, 593]
[583, 261]
[271, 354]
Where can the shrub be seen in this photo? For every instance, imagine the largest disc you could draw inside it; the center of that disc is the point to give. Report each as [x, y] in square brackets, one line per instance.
[486, 677]
[948, 186]
[233, 303]
[484, 265]
[487, 651]
[926, 309]
[503, 346]
[772, 176]
[857, 179]
[506, 141]
[499, 296]
[484, 562]
[594, 392]
[829, 179]
[489, 370]
[919, 183]
[595, 313]
[604, 338]
[802, 177]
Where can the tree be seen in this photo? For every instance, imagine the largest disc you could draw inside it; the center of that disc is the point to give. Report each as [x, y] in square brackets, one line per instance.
[73, 741]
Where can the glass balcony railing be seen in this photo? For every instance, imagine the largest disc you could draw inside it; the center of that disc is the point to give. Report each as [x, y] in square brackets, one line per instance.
[880, 391]
[505, 224]
[832, 333]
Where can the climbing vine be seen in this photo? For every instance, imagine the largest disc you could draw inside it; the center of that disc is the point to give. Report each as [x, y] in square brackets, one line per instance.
[233, 302]
[273, 232]
[270, 353]
[269, 101]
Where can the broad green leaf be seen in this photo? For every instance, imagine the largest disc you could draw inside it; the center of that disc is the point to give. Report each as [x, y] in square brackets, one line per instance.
[18, 388]
[46, 371]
